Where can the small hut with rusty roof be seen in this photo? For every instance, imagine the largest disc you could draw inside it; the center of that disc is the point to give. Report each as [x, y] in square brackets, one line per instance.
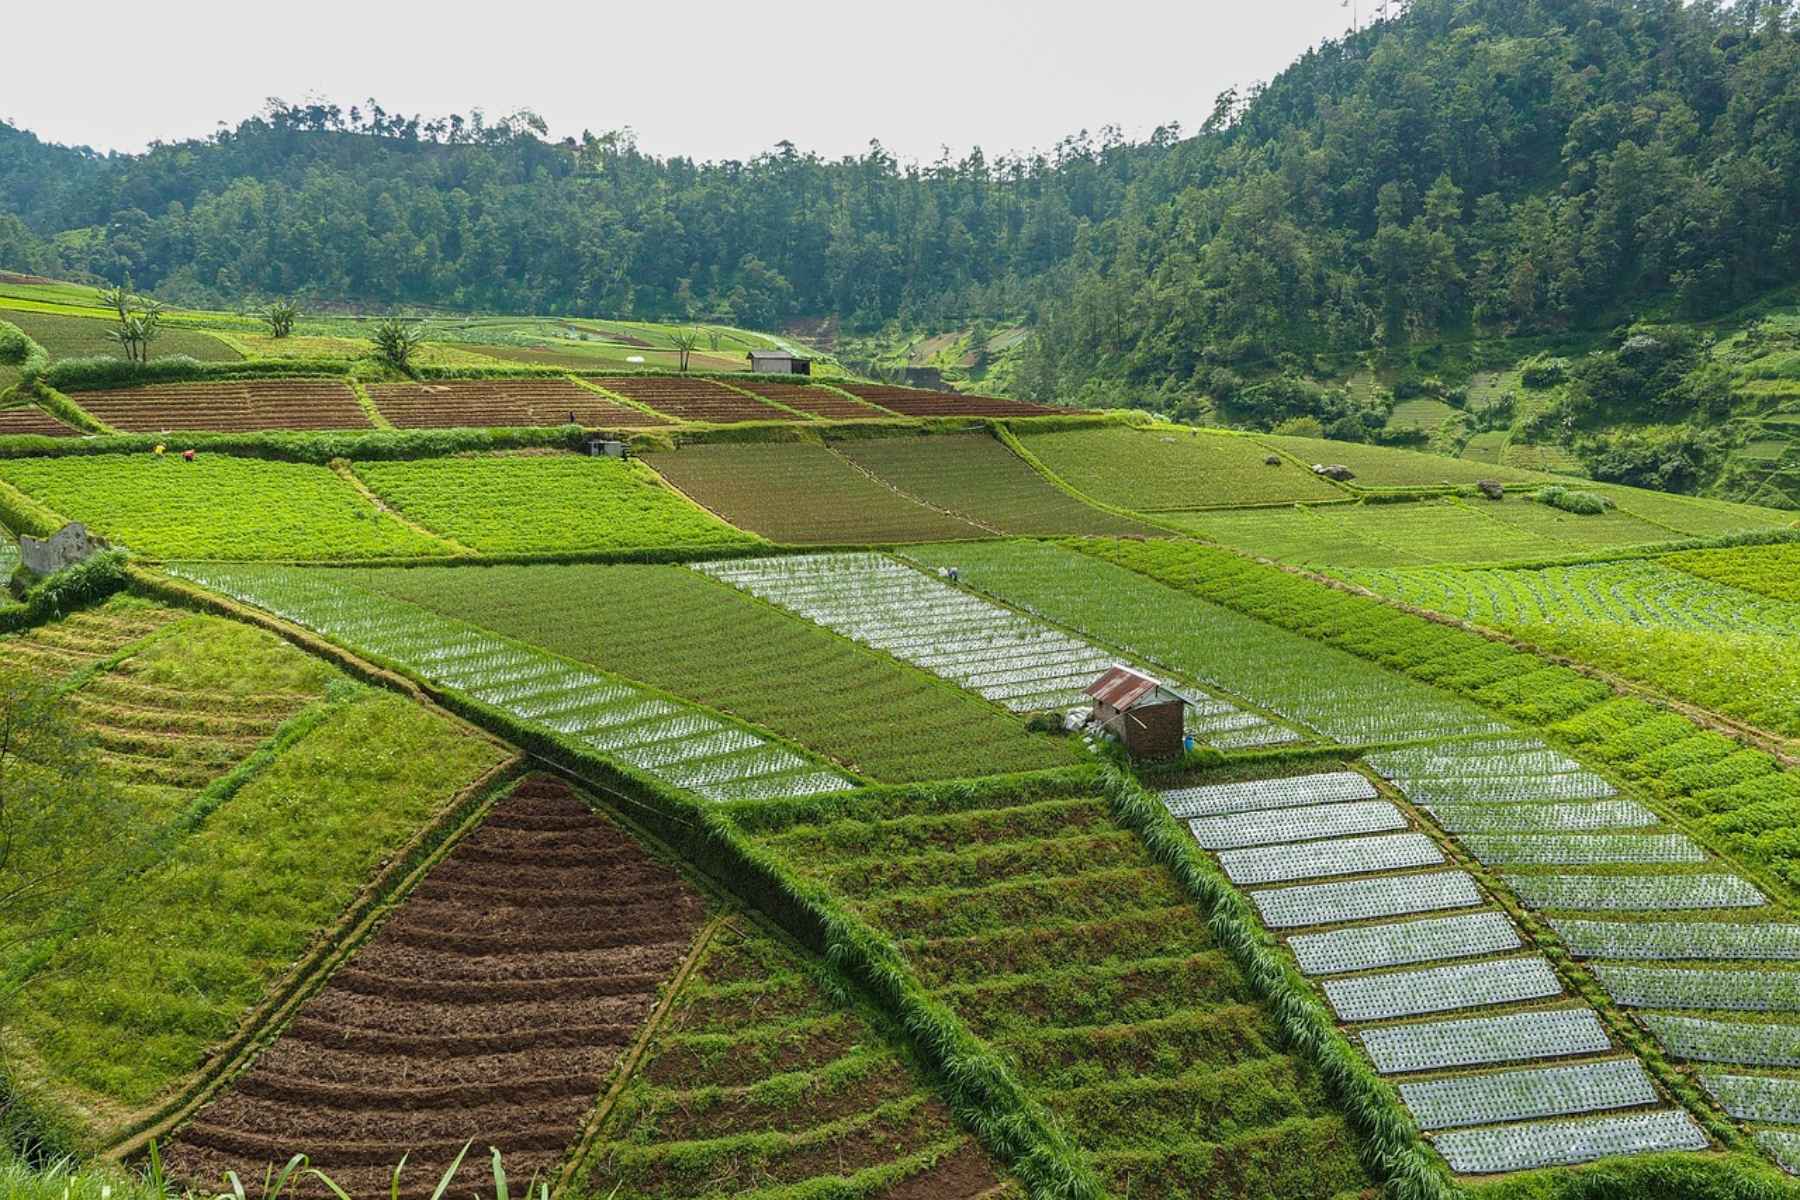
[1144, 713]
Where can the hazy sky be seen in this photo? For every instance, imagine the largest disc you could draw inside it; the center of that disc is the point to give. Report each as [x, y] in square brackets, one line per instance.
[705, 79]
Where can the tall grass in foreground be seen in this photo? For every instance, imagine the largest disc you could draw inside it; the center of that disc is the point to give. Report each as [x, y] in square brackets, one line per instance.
[67, 1179]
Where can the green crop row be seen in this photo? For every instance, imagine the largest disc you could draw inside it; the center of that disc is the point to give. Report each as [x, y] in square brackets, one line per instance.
[1050, 941]
[682, 631]
[764, 1073]
[976, 477]
[534, 503]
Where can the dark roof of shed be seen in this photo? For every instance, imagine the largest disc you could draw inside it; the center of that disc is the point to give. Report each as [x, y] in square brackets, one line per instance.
[777, 354]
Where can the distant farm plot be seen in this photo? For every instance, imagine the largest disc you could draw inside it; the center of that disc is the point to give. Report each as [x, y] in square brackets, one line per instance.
[217, 507]
[1486, 447]
[503, 402]
[976, 477]
[678, 630]
[1692, 515]
[1767, 570]
[826, 403]
[1431, 531]
[84, 337]
[802, 493]
[916, 402]
[515, 503]
[534, 949]
[1148, 470]
[1423, 415]
[689, 399]
[1384, 466]
[249, 405]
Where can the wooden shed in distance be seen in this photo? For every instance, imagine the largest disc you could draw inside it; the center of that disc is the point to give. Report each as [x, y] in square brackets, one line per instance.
[1145, 714]
[778, 362]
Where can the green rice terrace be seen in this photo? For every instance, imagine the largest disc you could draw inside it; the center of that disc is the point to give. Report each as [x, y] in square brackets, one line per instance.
[686, 785]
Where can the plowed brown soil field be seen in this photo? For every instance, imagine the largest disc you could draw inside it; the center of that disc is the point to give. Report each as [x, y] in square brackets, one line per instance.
[28, 419]
[692, 399]
[819, 401]
[228, 407]
[491, 1006]
[474, 403]
[917, 402]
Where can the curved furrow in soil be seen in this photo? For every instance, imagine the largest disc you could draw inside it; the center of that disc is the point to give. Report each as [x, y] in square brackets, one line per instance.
[477, 1012]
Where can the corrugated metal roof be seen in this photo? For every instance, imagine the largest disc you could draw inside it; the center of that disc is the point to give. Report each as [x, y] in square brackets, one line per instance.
[1122, 687]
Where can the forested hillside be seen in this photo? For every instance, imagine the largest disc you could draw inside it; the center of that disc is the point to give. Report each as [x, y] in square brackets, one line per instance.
[1566, 175]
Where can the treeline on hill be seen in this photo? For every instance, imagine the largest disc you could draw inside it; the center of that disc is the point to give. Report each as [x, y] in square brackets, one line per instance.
[1504, 166]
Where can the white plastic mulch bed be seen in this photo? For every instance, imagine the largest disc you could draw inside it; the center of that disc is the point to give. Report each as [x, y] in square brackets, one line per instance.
[1477, 1041]
[1583, 849]
[1366, 947]
[1783, 1146]
[1679, 940]
[1641, 893]
[1769, 1099]
[1685, 987]
[1294, 791]
[1702, 1040]
[1564, 1143]
[1441, 989]
[1005, 656]
[1519, 1095]
[1316, 860]
[1364, 899]
[1296, 824]
[1554, 817]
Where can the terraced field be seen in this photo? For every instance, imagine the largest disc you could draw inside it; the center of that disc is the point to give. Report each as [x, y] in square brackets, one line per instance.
[28, 419]
[64, 336]
[916, 402]
[1051, 932]
[825, 403]
[760, 1081]
[1386, 467]
[510, 504]
[217, 507]
[1443, 990]
[491, 1005]
[1006, 657]
[802, 494]
[690, 399]
[227, 407]
[1166, 469]
[679, 630]
[451, 403]
[1310, 686]
[640, 729]
[978, 479]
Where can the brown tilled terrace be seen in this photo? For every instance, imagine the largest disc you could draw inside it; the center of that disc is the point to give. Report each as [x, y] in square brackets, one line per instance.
[243, 407]
[917, 402]
[690, 399]
[28, 419]
[490, 1006]
[473, 403]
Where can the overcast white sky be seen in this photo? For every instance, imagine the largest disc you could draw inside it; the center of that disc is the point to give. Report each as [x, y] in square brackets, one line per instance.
[706, 79]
